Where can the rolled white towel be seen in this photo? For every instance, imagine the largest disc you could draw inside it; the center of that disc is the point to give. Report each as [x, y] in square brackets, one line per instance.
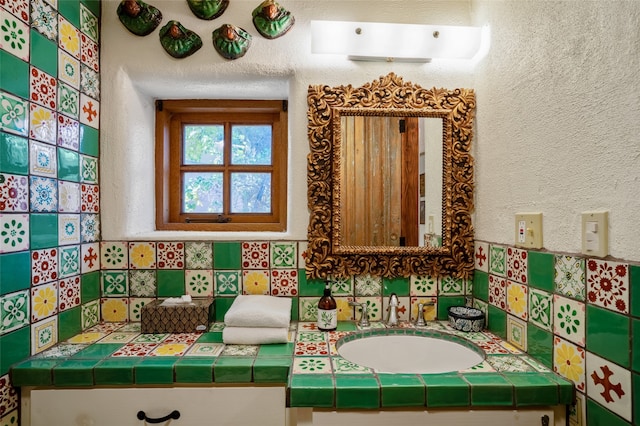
[259, 311]
[254, 335]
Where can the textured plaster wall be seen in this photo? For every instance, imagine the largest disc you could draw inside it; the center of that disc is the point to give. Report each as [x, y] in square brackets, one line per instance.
[557, 121]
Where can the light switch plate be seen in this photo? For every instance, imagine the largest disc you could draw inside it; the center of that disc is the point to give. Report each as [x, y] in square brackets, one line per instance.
[595, 233]
[529, 230]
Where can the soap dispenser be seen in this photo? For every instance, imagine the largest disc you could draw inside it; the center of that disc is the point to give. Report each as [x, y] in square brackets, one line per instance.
[327, 310]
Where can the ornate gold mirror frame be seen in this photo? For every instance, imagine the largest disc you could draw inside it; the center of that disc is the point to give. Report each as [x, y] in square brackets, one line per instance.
[389, 95]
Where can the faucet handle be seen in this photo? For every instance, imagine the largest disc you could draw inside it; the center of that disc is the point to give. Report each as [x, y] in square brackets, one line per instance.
[420, 317]
[364, 319]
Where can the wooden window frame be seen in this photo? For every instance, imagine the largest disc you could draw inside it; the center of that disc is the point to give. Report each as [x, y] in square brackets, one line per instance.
[171, 115]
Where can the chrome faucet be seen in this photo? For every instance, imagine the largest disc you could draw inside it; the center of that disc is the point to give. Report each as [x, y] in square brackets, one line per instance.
[364, 318]
[392, 318]
[420, 316]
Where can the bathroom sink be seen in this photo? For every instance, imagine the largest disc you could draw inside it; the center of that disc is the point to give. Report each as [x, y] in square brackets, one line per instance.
[410, 352]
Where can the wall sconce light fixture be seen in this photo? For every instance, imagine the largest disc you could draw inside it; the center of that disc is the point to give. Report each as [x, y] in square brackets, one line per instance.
[375, 41]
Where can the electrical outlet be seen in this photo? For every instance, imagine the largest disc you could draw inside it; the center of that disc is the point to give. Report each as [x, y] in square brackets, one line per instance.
[595, 234]
[529, 230]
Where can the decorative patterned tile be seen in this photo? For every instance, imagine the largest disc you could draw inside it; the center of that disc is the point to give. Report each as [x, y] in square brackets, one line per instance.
[199, 255]
[89, 54]
[498, 291]
[89, 82]
[578, 411]
[199, 282]
[68, 102]
[44, 301]
[68, 229]
[170, 255]
[451, 286]
[14, 193]
[44, 334]
[517, 299]
[88, 169]
[135, 349]
[541, 308]
[19, 8]
[142, 283]
[422, 286]
[90, 254]
[142, 255]
[308, 309]
[311, 365]
[302, 253]
[14, 232]
[9, 400]
[609, 385]
[119, 337]
[89, 227]
[255, 282]
[68, 37]
[570, 276]
[42, 124]
[497, 260]
[14, 311]
[517, 265]
[89, 111]
[114, 309]
[240, 350]
[227, 283]
[429, 310]
[69, 200]
[86, 338]
[169, 349]
[135, 307]
[114, 283]
[68, 69]
[113, 255]
[205, 349]
[608, 284]
[283, 254]
[69, 261]
[343, 366]
[88, 23]
[509, 363]
[44, 194]
[367, 285]
[61, 351]
[569, 361]
[481, 256]
[43, 88]
[569, 319]
[517, 332]
[69, 293]
[255, 255]
[284, 282]
[44, 266]
[44, 19]
[43, 160]
[14, 114]
[14, 35]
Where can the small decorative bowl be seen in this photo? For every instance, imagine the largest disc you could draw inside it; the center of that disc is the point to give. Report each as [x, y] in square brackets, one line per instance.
[464, 318]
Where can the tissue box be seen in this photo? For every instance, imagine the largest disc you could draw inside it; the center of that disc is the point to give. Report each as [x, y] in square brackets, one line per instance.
[187, 318]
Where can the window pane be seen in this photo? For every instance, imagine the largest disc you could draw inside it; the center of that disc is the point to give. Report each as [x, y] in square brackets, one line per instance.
[251, 193]
[251, 144]
[202, 193]
[203, 144]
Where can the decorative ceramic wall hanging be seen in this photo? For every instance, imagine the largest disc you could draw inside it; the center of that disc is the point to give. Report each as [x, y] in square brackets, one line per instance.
[208, 9]
[272, 20]
[139, 17]
[230, 41]
[178, 41]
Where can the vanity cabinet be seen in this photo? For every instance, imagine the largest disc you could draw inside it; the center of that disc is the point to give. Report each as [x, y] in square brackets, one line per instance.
[219, 405]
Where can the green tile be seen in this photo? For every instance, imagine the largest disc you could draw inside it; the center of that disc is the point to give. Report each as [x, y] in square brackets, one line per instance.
[357, 391]
[397, 285]
[346, 326]
[115, 371]
[227, 255]
[74, 372]
[279, 350]
[170, 283]
[634, 283]
[68, 165]
[222, 306]
[93, 6]
[541, 270]
[272, 369]
[311, 390]
[233, 369]
[489, 390]
[43, 228]
[607, 335]
[598, 415]
[540, 345]
[98, 351]
[401, 390]
[90, 286]
[33, 372]
[70, 9]
[69, 323]
[497, 321]
[89, 141]
[14, 347]
[14, 150]
[533, 389]
[210, 337]
[446, 390]
[44, 53]
[295, 313]
[444, 302]
[566, 388]
[155, 370]
[15, 272]
[312, 287]
[635, 349]
[481, 285]
[14, 75]
[194, 370]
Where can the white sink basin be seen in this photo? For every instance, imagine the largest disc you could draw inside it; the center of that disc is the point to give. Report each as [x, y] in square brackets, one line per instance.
[407, 353]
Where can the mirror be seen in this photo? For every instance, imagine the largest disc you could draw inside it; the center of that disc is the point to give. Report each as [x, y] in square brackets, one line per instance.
[370, 212]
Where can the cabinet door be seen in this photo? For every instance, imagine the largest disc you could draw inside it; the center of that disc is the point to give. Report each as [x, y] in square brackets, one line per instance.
[197, 406]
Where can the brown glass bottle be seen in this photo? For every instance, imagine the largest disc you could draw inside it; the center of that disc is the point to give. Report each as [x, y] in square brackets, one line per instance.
[327, 310]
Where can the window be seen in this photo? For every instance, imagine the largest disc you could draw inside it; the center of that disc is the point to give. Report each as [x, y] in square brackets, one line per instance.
[221, 165]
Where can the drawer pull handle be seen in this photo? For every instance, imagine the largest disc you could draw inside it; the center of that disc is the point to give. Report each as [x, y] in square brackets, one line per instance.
[175, 414]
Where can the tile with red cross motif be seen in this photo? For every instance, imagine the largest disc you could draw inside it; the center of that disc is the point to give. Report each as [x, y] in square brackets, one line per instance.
[608, 284]
[498, 291]
[90, 198]
[44, 266]
[89, 111]
[609, 385]
[517, 265]
[90, 257]
[255, 255]
[170, 255]
[43, 88]
[481, 256]
[69, 293]
[89, 53]
[284, 282]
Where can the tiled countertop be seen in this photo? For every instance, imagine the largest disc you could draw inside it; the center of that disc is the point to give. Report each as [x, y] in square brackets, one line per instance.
[316, 376]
